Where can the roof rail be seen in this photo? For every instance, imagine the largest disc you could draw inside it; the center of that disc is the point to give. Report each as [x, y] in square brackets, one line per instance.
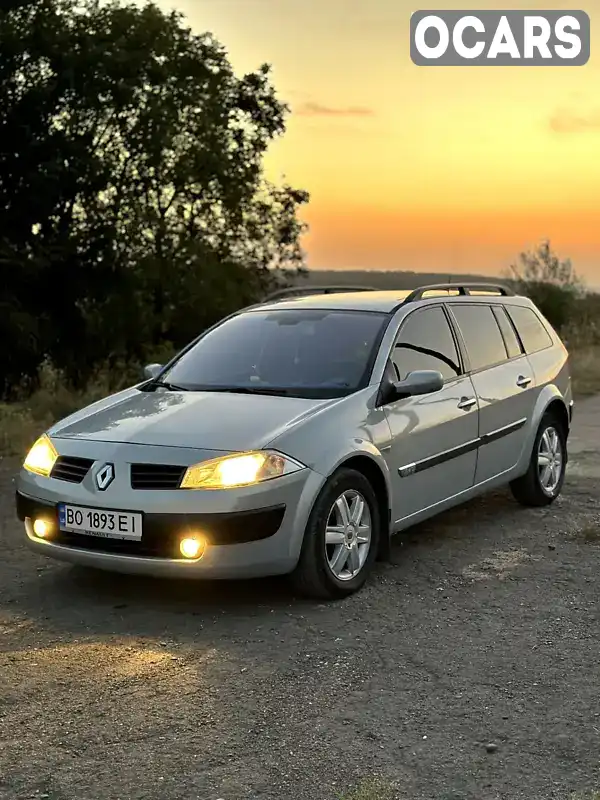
[462, 288]
[301, 291]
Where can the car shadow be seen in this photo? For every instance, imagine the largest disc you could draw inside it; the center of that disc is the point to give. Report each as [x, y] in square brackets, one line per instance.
[455, 524]
[87, 585]
[77, 605]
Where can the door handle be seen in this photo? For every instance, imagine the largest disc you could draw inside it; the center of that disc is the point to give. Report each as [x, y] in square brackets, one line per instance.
[523, 381]
[466, 403]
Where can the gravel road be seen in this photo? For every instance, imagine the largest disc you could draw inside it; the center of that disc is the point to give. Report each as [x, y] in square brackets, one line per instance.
[468, 669]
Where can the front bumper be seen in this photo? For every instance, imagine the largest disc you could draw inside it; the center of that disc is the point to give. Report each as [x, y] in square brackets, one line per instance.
[257, 531]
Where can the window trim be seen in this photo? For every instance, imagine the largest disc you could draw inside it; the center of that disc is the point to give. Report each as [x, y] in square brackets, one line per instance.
[386, 319]
[507, 360]
[419, 310]
[500, 310]
[514, 327]
[539, 319]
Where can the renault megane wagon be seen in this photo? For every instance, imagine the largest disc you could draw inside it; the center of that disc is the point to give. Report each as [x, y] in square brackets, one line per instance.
[298, 435]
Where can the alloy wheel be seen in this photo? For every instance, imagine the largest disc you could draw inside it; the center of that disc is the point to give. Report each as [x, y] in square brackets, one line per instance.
[550, 460]
[348, 535]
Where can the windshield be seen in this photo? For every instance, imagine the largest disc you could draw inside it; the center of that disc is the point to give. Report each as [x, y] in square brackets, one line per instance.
[303, 353]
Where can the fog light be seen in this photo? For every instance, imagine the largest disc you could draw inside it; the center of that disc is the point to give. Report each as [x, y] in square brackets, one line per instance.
[41, 528]
[192, 547]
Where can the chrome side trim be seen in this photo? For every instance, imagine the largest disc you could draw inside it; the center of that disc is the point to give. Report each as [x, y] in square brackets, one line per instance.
[461, 450]
[438, 458]
[499, 433]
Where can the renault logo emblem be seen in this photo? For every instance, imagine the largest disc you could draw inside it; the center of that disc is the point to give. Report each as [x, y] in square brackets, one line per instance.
[105, 476]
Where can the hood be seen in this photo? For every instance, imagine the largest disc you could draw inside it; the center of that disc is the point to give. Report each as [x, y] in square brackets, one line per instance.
[206, 420]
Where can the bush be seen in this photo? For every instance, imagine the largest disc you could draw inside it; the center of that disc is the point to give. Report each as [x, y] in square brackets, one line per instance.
[583, 328]
[54, 398]
[556, 303]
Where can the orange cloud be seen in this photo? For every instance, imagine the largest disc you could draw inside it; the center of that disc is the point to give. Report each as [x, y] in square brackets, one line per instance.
[571, 122]
[310, 109]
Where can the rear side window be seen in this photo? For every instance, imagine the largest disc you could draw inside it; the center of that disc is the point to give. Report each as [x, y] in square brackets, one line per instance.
[513, 346]
[483, 340]
[425, 341]
[533, 334]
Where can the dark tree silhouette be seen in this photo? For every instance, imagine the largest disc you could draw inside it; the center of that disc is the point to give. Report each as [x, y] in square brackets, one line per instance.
[133, 204]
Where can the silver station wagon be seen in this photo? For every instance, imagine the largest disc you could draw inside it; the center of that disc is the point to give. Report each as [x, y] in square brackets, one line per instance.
[297, 436]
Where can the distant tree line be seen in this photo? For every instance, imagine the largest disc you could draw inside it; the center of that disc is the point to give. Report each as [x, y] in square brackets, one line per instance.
[133, 204]
[550, 281]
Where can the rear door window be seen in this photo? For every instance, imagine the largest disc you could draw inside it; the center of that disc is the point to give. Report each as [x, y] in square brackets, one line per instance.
[425, 341]
[481, 333]
[533, 334]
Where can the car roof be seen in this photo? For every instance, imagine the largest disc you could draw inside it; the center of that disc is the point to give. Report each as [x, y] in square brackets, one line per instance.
[383, 301]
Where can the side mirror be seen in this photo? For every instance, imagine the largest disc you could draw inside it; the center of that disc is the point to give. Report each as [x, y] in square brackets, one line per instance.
[419, 382]
[152, 370]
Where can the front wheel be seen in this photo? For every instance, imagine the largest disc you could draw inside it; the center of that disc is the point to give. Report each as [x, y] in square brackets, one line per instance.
[341, 538]
[543, 481]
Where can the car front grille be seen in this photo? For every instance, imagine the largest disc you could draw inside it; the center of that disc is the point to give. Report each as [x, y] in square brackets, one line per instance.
[156, 476]
[71, 468]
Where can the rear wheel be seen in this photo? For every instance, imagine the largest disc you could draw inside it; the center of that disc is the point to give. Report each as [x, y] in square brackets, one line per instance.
[341, 538]
[543, 481]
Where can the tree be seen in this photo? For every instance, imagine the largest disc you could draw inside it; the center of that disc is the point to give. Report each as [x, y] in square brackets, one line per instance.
[550, 282]
[133, 202]
[542, 265]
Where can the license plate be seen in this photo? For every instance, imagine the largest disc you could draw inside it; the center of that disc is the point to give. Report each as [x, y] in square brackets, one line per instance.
[99, 522]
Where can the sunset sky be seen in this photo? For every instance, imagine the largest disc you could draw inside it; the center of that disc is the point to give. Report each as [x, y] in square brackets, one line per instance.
[425, 168]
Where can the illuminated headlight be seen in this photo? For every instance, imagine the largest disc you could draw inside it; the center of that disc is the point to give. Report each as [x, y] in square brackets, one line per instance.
[42, 457]
[243, 469]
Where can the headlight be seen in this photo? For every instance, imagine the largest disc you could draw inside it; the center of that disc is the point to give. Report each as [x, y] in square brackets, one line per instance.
[42, 457]
[242, 469]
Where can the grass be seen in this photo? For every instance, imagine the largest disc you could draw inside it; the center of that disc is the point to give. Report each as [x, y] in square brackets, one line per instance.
[585, 796]
[375, 789]
[21, 423]
[370, 789]
[589, 535]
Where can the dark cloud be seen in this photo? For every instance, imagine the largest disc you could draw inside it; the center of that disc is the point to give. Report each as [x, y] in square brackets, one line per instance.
[310, 109]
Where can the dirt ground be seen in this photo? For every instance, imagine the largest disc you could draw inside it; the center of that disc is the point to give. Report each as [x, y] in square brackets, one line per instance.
[467, 670]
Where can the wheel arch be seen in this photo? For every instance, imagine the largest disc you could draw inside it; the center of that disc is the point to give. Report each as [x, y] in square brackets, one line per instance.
[528, 487]
[558, 408]
[549, 399]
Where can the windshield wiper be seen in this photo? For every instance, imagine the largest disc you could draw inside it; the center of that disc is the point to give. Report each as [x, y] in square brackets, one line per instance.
[249, 390]
[172, 387]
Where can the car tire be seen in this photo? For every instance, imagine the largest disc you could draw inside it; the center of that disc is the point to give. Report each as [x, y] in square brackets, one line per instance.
[318, 574]
[531, 489]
